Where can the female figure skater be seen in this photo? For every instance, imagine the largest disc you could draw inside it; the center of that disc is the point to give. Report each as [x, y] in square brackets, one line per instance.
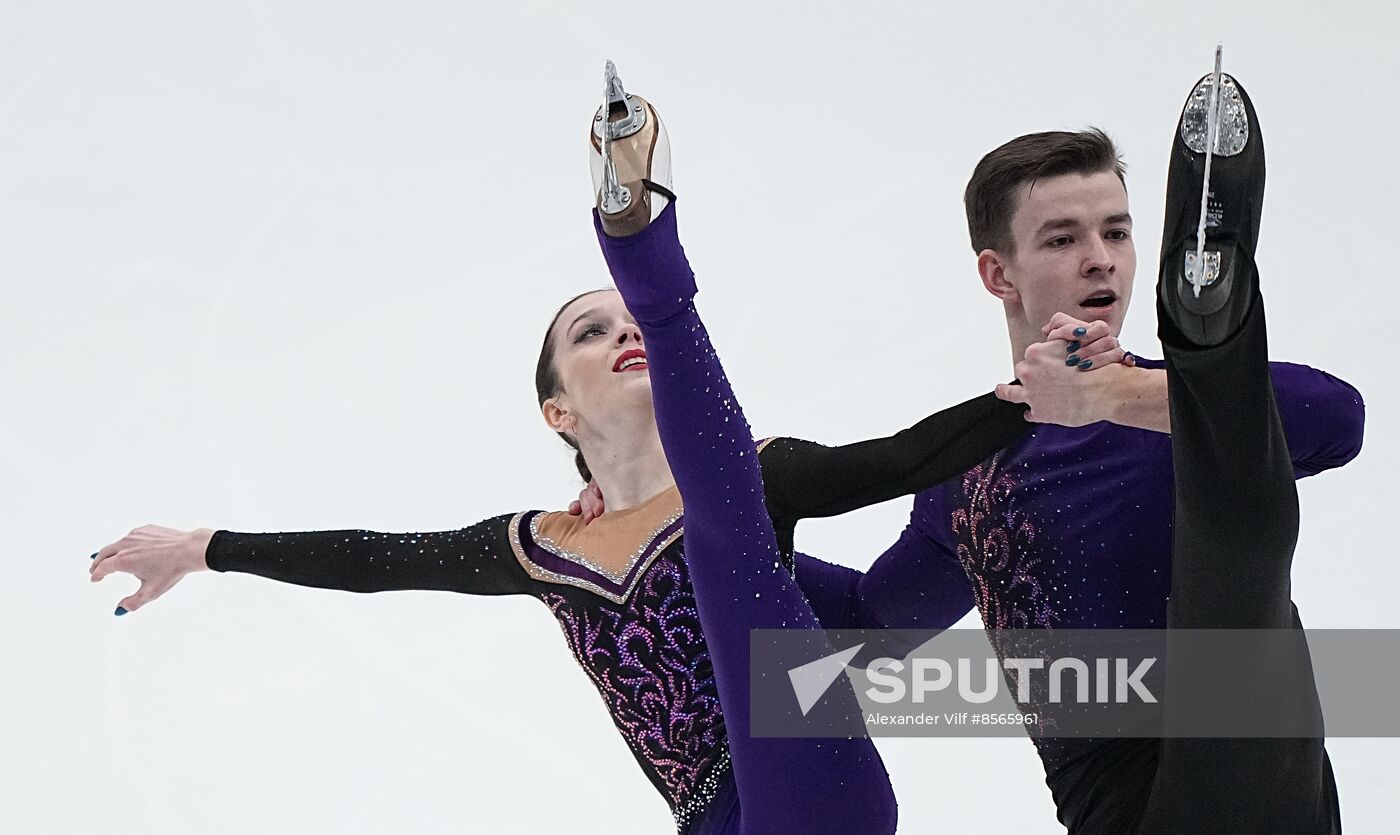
[659, 624]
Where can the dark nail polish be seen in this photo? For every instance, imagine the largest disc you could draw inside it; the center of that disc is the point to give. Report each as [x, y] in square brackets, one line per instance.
[1084, 366]
[119, 612]
[1073, 360]
[1080, 331]
[1072, 347]
[94, 556]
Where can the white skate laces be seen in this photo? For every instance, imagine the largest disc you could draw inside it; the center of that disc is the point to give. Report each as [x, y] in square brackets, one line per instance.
[1200, 271]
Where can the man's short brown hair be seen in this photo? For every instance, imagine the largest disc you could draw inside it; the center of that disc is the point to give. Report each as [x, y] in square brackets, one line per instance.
[990, 198]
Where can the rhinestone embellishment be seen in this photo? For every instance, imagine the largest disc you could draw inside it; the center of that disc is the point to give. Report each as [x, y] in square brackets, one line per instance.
[638, 562]
[617, 575]
[1234, 123]
[704, 793]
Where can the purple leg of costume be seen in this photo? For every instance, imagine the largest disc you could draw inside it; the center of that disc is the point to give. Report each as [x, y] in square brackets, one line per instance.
[783, 785]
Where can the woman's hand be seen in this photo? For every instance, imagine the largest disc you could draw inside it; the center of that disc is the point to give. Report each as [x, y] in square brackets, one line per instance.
[1091, 344]
[1051, 378]
[156, 556]
[589, 504]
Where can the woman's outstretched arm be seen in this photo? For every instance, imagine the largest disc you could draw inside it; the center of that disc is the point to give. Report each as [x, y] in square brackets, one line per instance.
[473, 560]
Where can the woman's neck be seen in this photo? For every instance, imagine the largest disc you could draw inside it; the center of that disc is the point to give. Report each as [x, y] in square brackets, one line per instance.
[629, 466]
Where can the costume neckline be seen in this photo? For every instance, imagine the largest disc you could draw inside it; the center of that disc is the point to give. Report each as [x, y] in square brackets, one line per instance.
[555, 548]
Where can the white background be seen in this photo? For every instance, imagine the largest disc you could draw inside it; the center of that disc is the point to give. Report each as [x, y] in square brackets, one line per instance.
[286, 266]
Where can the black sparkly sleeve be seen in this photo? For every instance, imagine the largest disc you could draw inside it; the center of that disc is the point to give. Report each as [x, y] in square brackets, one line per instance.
[803, 480]
[474, 560]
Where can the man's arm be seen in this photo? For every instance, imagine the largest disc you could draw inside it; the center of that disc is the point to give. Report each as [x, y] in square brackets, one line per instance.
[1137, 396]
[1323, 417]
[916, 587]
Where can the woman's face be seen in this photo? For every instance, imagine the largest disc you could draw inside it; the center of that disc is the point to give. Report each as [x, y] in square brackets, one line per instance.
[601, 364]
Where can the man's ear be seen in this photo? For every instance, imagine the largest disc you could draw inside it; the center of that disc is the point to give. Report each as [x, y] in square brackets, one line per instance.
[991, 265]
[557, 415]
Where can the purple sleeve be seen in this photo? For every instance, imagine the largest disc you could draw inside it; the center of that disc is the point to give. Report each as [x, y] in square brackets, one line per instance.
[916, 588]
[1323, 416]
[915, 584]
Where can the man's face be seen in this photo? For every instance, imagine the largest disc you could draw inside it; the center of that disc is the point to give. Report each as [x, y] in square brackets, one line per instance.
[1074, 250]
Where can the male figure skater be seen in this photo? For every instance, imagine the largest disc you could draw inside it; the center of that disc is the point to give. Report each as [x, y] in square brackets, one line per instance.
[1073, 526]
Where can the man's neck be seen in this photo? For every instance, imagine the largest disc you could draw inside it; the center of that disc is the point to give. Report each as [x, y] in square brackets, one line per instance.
[1021, 338]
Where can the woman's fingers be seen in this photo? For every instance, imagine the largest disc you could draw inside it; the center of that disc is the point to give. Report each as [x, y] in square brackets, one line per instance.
[1088, 350]
[1088, 345]
[1059, 320]
[1098, 353]
[105, 553]
[1074, 331]
[149, 591]
[156, 578]
[108, 565]
[1010, 393]
[145, 533]
[133, 602]
[157, 556]
[591, 500]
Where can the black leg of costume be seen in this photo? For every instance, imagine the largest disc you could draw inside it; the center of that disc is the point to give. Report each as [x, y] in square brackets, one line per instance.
[1236, 524]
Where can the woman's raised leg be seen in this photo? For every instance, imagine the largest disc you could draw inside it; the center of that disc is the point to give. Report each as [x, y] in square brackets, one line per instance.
[740, 579]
